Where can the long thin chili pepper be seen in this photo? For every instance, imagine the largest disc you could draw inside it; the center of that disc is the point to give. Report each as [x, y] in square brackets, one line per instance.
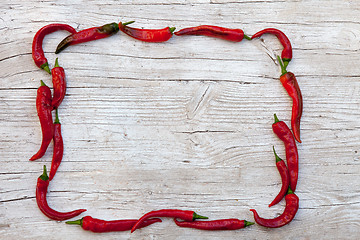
[234, 35]
[292, 157]
[37, 50]
[41, 191]
[185, 215]
[289, 82]
[286, 54]
[43, 107]
[97, 225]
[58, 147]
[285, 179]
[147, 35]
[59, 84]
[87, 35]
[292, 206]
[221, 224]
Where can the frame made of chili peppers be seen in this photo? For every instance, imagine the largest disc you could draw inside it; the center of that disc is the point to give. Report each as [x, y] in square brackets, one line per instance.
[46, 105]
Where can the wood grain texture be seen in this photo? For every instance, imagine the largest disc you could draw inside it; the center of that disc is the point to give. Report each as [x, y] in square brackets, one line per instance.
[183, 124]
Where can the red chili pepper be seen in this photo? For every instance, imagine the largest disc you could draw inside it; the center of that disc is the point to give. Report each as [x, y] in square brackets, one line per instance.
[292, 205]
[234, 35]
[147, 35]
[285, 178]
[221, 224]
[292, 157]
[41, 191]
[286, 54]
[87, 35]
[185, 215]
[43, 107]
[289, 82]
[97, 225]
[59, 84]
[37, 50]
[58, 147]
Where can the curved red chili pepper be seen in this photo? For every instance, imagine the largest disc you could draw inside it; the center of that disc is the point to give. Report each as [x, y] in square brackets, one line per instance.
[292, 157]
[37, 50]
[185, 215]
[234, 35]
[99, 226]
[87, 35]
[59, 84]
[291, 85]
[58, 147]
[43, 107]
[221, 224]
[147, 35]
[41, 191]
[292, 205]
[286, 54]
[285, 179]
[289, 82]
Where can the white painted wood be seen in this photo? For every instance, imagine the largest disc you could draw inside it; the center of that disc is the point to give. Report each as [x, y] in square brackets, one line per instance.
[183, 124]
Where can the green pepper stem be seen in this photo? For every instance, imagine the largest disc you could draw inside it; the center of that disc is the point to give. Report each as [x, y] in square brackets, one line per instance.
[277, 158]
[45, 66]
[56, 117]
[56, 63]
[127, 23]
[290, 191]
[276, 118]
[42, 83]
[247, 223]
[283, 68]
[75, 222]
[110, 28]
[44, 176]
[172, 29]
[247, 37]
[286, 61]
[197, 216]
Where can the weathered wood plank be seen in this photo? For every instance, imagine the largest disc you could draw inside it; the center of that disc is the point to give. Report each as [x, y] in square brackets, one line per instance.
[184, 124]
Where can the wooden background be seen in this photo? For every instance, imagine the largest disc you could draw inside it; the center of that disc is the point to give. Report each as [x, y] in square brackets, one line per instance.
[183, 124]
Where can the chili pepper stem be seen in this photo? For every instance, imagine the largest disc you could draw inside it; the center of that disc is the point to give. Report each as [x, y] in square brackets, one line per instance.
[172, 29]
[282, 66]
[127, 23]
[247, 223]
[286, 62]
[277, 158]
[45, 66]
[57, 121]
[42, 83]
[276, 118]
[44, 176]
[56, 63]
[197, 216]
[290, 191]
[247, 37]
[110, 28]
[75, 222]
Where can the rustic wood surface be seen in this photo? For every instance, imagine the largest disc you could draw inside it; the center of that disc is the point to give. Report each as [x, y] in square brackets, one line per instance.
[183, 124]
